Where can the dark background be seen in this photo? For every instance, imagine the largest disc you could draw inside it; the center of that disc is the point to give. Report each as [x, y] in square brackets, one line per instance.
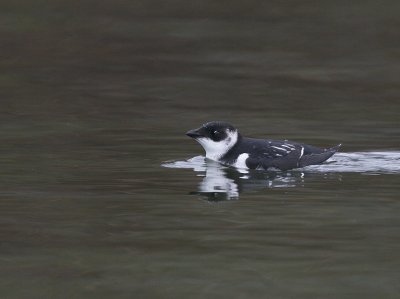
[96, 95]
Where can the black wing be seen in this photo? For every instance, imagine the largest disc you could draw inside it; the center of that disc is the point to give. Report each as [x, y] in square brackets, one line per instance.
[284, 155]
[268, 154]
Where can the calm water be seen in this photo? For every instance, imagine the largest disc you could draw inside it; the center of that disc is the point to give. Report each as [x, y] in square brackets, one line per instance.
[103, 196]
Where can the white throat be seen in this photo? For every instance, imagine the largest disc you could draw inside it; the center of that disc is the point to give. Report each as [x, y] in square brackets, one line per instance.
[216, 149]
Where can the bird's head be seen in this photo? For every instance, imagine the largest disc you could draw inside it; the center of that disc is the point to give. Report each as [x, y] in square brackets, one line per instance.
[216, 137]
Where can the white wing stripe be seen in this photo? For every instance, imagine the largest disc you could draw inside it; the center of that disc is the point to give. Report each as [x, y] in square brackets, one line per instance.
[291, 147]
[302, 152]
[280, 149]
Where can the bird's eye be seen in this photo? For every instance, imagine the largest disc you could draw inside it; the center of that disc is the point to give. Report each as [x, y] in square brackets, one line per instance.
[214, 133]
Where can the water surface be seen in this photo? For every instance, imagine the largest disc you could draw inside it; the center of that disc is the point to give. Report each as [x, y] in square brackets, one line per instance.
[96, 97]
[221, 182]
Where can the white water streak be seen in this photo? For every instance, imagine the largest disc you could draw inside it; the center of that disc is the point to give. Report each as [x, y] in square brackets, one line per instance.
[358, 162]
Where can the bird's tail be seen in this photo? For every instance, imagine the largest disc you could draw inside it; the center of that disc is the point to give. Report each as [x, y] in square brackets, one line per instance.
[318, 158]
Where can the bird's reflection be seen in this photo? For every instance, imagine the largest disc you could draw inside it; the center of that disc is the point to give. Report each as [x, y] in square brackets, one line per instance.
[223, 183]
[226, 183]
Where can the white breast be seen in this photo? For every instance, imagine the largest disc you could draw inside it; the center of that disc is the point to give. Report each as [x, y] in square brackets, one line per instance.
[215, 150]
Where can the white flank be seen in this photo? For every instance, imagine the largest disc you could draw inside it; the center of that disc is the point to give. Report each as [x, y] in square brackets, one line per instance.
[241, 161]
[216, 149]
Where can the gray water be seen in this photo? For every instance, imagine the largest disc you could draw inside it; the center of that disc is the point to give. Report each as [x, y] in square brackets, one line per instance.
[103, 196]
[221, 182]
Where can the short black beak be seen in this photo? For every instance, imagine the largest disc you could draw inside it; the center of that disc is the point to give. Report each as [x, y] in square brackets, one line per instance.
[194, 133]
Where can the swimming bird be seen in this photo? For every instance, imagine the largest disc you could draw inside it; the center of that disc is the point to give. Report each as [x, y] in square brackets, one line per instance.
[223, 143]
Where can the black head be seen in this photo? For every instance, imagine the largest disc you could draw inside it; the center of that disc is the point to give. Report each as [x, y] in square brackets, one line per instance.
[214, 130]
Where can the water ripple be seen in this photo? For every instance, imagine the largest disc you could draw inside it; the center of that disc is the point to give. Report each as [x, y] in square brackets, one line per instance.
[359, 162]
[221, 183]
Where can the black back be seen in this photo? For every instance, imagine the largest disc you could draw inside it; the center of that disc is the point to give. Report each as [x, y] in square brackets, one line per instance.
[278, 154]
